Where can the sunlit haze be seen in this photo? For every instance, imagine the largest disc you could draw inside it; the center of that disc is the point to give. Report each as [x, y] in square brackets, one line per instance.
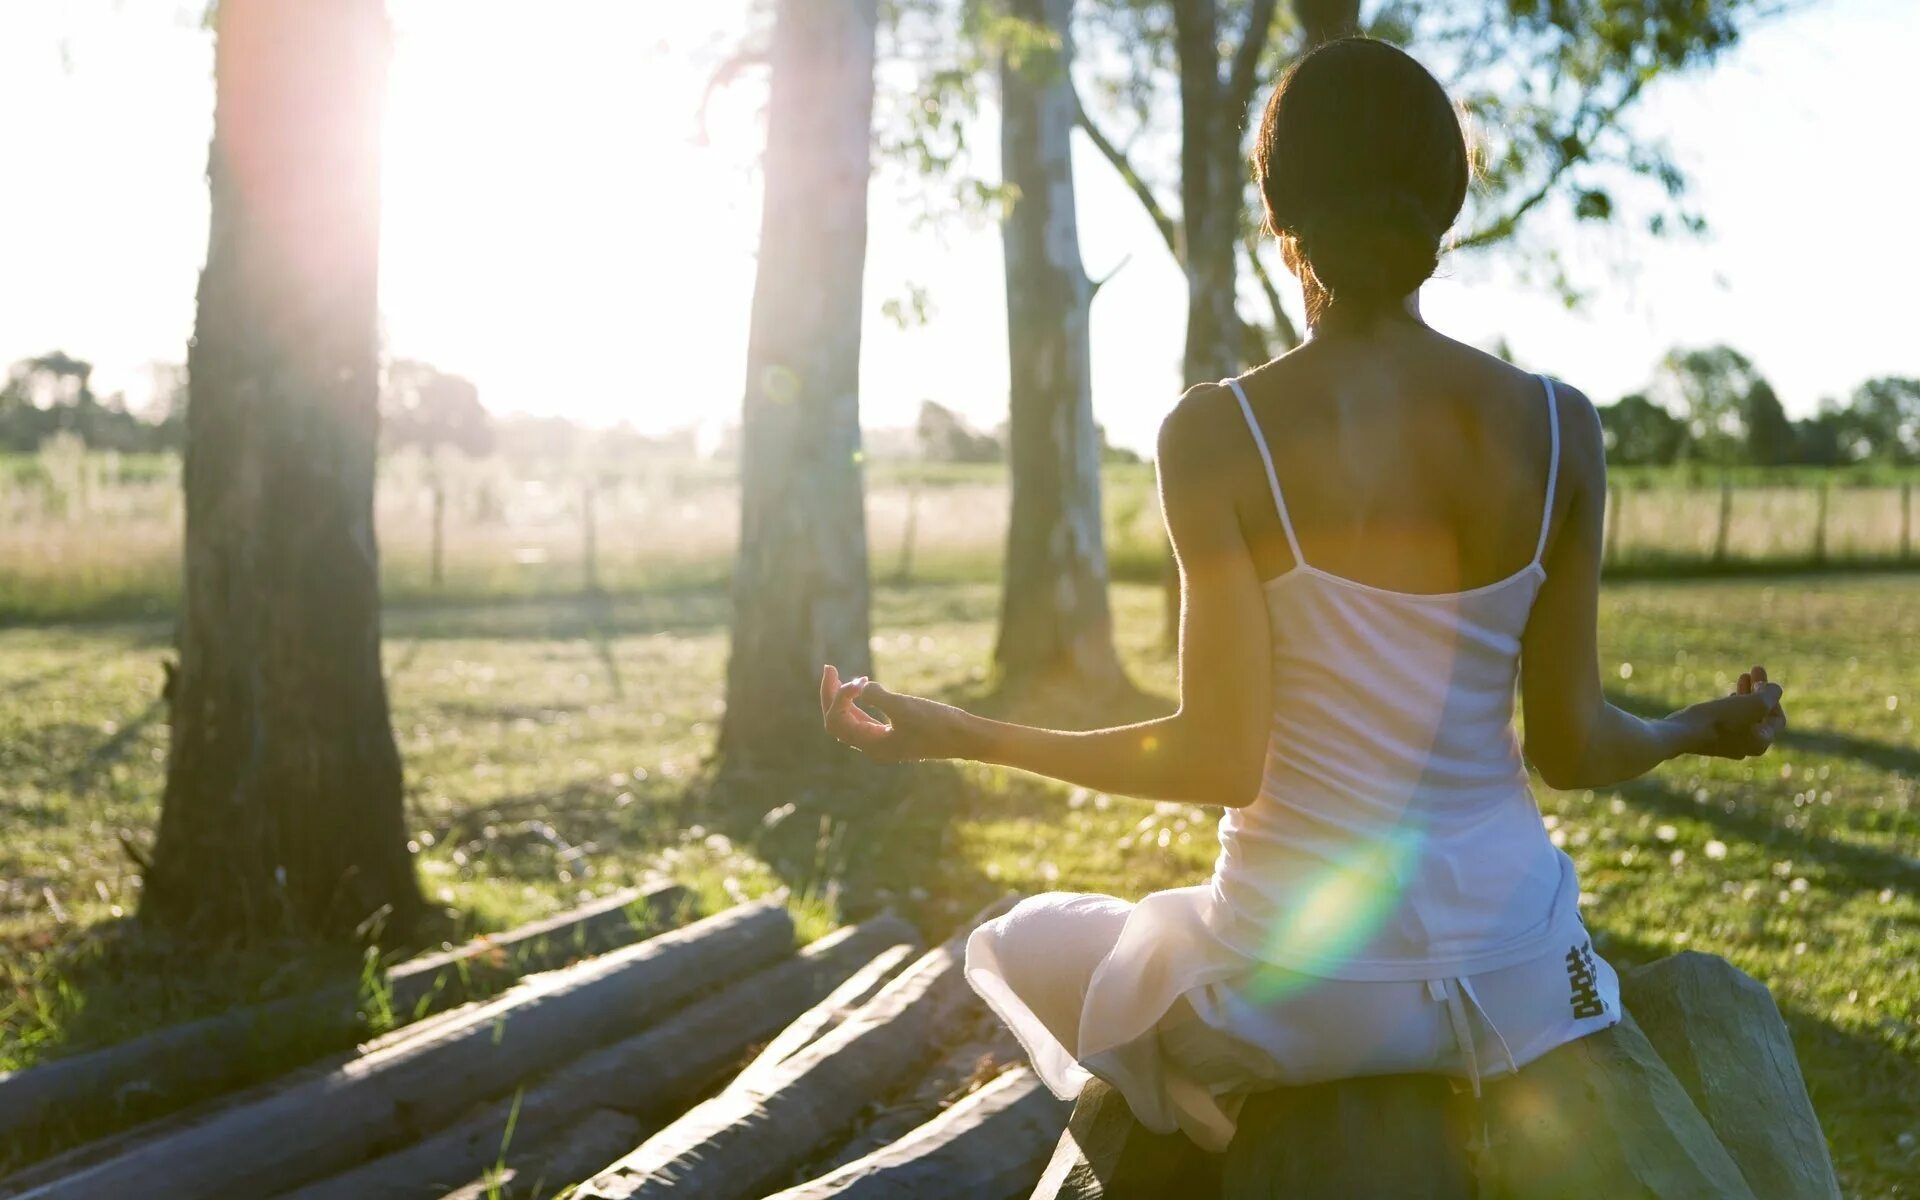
[557, 230]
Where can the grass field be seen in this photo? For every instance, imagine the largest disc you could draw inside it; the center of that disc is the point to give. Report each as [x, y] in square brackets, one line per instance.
[557, 747]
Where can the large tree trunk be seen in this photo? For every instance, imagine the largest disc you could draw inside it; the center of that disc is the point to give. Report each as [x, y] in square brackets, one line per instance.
[283, 798]
[800, 585]
[1211, 192]
[1054, 619]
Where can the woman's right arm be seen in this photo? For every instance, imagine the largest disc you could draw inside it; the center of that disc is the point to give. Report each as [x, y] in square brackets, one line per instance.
[1576, 738]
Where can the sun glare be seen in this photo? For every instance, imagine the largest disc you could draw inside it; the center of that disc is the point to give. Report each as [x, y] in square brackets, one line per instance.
[545, 193]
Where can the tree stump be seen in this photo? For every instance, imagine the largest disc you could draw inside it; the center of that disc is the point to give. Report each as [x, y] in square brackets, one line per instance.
[1597, 1119]
[1724, 1116]
[1107, 1155]
[1719, 1031]
[1308, 1141]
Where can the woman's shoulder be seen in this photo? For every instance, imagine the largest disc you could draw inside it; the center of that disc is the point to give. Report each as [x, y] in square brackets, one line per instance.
[1205, 414]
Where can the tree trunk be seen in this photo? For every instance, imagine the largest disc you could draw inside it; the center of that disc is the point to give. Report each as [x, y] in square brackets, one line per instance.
[1054, 618]
[1211, 192]
[283, 798]
[800, 584]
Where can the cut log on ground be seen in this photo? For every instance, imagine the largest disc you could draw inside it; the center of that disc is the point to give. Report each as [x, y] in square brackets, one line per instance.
[988, 1146]
[593, 1139]
[151, 1073]
[741, 1142]
[325, 1125]
[88, 1154]
[970, 1055]
[649, 1075]
[1721, 1033]
[810, 1026]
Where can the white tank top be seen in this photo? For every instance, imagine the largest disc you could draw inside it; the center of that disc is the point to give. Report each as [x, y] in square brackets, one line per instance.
[1395, 835]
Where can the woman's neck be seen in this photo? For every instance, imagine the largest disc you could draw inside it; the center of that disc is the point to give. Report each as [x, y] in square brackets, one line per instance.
[1335, 320]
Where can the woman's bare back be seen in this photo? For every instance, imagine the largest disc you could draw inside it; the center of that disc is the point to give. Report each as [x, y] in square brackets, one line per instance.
[1409, 461]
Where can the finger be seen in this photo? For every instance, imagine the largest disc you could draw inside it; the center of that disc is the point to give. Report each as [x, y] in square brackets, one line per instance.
[829, 684]
[1759, 674]
[844, 696]
[1744, 686]
[848, 724]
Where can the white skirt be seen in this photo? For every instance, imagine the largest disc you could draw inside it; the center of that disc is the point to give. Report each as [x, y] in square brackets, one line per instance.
[1146, 997]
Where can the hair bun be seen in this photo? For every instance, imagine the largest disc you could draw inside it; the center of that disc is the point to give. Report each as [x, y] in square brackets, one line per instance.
[1377, 247]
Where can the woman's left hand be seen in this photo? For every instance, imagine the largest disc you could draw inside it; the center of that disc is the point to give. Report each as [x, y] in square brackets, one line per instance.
[914, 728]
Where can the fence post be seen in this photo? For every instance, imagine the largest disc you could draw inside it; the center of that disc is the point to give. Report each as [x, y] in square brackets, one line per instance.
[1612, 554]
[589, 542]
[1726, 519]
[905, 572]
[1906, 520]
[438, 570]
[1820, 526]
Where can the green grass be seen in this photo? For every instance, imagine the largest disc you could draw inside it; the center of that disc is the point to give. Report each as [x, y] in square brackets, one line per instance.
[557, 748]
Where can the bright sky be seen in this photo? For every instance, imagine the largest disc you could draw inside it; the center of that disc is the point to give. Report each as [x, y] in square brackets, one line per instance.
[554, 230]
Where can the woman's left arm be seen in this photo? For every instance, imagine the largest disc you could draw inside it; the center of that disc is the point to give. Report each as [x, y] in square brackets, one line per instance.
[1213, 749]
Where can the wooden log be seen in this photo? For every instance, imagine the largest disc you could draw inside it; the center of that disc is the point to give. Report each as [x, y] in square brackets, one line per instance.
[1599, 1118]
[825, 1016]
[651, 1074]
[327, 1124]
[87, 1154]
[978, 1051]
[150, 1073]
[601, 1135]
[1721, 1033]
[1391, 1137]
[741, 1142]
[987, 1146]
[1107, 1155]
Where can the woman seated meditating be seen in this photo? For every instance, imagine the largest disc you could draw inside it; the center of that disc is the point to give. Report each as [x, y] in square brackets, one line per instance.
[1377, 534]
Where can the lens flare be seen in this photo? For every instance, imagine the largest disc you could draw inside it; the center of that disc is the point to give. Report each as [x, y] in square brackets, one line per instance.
[1341, 910]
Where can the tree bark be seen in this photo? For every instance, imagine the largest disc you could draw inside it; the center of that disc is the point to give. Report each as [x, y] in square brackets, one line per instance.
[1054, 618]
[283, 798]
[800, 584]
[1210, 195]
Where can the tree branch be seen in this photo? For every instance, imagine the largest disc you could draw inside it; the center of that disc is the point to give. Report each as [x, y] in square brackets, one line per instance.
[723, 76]
[1504, 225]
[1169, 229]
[1283, 326]
[1244, 75]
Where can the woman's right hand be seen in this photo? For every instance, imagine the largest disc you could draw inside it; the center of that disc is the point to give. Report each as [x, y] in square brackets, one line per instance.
[1742, 725]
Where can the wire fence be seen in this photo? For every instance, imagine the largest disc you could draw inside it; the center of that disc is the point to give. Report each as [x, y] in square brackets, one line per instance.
[91, 531]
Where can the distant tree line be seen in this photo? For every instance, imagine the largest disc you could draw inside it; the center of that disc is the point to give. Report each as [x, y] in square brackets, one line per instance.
[1713, 406]
[1705, 406]
[53, 394]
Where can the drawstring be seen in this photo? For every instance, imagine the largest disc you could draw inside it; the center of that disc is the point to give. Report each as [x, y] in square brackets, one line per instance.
[1449, 992]
[1466, 985]
[1445, 993]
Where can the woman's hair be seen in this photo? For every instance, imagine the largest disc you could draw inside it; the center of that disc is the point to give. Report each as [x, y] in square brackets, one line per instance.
[1363, 167]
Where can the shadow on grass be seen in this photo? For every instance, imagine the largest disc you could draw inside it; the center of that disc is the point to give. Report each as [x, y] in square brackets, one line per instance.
[102, 757]
[1853, 865]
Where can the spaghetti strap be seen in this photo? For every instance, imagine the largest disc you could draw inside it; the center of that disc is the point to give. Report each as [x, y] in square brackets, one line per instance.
[1273, 480]
[1553, 467]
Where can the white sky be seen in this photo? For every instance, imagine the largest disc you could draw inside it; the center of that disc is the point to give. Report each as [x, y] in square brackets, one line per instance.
[553, 231]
